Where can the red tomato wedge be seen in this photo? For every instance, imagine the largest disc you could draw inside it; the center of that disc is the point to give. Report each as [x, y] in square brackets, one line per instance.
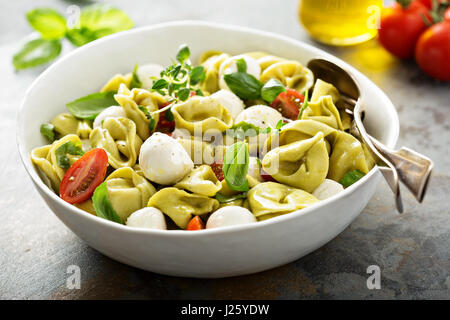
[86, 174]
[165, 125]
[196, 224]
[217, 169]
[288, 103]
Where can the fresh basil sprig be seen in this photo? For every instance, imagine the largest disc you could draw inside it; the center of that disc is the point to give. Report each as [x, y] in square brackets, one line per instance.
[351, 177]
[95, 22]
[244, 129]
[102, 206]
[65, 149]
[48, 131]
[180, 78]
[241, 65]
[88, 107]
[225, 199]
[235, 166]
[271, 90]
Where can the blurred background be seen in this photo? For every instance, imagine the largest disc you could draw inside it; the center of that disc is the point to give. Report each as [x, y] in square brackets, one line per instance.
[411, 249]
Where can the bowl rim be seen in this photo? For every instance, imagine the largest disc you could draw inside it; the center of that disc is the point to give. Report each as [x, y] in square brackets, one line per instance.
[25, 158]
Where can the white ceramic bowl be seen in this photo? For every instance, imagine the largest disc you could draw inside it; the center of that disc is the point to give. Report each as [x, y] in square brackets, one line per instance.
[210, 253]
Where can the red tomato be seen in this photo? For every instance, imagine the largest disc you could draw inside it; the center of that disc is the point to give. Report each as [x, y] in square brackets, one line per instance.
[165, 125]
[196, 223]
[217, 169]
[288, 103]
[267, 177]
[433, 50]
[401, 27]
[81, 179]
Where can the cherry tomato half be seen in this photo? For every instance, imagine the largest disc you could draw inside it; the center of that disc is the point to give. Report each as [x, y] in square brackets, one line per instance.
[217, 169]
[165, 125]
[196, 223]
[86, 174]
[288, 103]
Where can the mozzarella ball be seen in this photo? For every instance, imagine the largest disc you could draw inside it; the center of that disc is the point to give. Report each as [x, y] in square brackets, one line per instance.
[163, 160]
[254, 168]
[327, 189]
[260, 115]
[229, 66]
[146, 71]
[230, 101]
[149, 218]
[110, 112]
[230, 216]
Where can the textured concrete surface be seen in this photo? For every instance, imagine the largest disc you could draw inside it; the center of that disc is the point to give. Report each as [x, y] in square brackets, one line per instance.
[412, 250]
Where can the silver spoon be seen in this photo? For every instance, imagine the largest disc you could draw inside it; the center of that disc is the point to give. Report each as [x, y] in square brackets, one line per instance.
[412, 168]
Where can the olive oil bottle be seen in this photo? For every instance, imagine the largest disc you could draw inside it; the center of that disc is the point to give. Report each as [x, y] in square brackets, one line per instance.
[340, 22]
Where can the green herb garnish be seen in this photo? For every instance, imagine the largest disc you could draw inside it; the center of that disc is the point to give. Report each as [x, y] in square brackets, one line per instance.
[95, 22]
[88, 107]
[151, 120]
[244, 129]
[65, 149]
[244, 85]
[235, 166]
[241, 65]
[135, 81]
[351, 177]
[48, 131]
[102, 205]
[271, 90]
[280, 124]
[304, 105]
[225, 199]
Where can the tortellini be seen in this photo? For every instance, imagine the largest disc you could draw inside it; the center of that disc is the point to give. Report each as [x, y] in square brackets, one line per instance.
[133, 103]
[65, 124]
[302, 164]
[200, 114]
[46, 159]
[321, 107]
[201, 152]
[290, 73]
[119, 139]
[114, 83]
[128, 191]
[180, 205]
[201, 180]
[271, 199]
[211, 61]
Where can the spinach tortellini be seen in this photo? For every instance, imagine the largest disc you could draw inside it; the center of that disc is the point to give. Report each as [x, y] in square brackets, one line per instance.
[128, 191]
[202, 114]
[206, 146]
[270, 199]
[119, 139]
[180, 205]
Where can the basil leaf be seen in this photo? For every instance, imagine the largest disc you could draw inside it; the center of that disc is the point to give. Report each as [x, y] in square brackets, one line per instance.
[67, 148]
[169, 115]
[81, 36]
[183, 53]
[88, 107]
[271, 90]
[244, 129]
[225, 199]
[280, 124]
[102, 206]
[183, 94]
[244, 85]
[104, 19]
[351, 177]
[199, 92]
[48, 22]
[235, 166]
[197, 75]
[36, 52]
[151, 124]
[48, 131]
[241, 65]
[151, 120]
[135, 81]
[160, 84]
